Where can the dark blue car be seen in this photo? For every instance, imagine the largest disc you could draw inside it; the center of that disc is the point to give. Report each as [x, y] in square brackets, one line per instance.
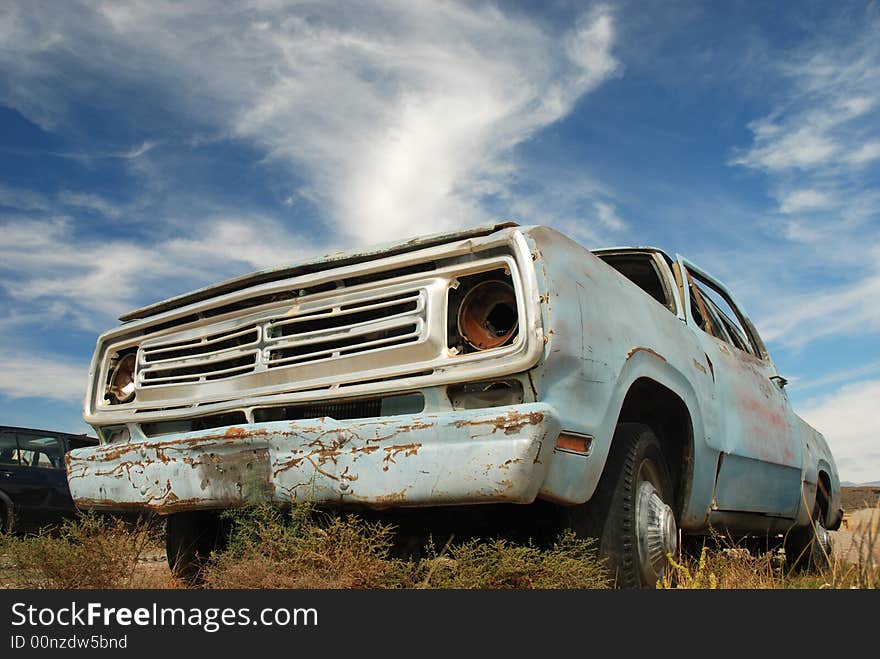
[33, 483]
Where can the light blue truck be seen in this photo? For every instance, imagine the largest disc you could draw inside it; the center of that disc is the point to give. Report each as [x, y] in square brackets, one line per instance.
[619, 392]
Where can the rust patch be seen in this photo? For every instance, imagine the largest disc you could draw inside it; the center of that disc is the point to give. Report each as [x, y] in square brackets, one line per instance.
[392, 452]
[507, 463]
[509, 423]
[648, 350]
[699, 367]
[389, 499]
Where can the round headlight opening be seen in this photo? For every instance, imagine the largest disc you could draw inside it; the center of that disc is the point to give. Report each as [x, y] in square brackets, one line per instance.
[488, 316]
[121, 384]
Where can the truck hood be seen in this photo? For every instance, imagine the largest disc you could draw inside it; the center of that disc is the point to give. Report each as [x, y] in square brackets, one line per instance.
[326, 262]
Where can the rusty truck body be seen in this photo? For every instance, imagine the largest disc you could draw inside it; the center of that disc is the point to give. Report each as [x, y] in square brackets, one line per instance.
[504, 364]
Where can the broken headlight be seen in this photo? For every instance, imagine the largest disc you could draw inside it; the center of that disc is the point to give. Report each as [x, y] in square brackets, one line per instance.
[483, 312]
[120, 385]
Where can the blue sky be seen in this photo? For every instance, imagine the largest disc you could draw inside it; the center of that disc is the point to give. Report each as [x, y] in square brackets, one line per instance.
[150, 147]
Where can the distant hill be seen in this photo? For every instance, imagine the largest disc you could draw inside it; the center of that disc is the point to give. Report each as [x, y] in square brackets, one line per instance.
[854, 497]
[851, 484]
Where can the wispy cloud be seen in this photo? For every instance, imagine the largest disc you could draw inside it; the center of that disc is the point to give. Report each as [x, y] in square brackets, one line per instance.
[797, 201]
[848, 419]
[845, 311]
[848, 375]
[817, 148]
[47, 265]
[400, 117]
[24, 376]
[90, 202]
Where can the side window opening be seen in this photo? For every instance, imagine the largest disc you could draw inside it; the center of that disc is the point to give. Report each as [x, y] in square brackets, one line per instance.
[42, 452]
[641, 270]
[703, 315]
[725, 321]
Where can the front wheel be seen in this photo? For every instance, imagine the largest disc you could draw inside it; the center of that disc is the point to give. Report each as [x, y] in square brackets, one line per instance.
[630, 513]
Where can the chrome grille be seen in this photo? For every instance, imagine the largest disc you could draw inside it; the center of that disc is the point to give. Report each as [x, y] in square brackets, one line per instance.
[345, 330]
[337, 327]
[212, 357]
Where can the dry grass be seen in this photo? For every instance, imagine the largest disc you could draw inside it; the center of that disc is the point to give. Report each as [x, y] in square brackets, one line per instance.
[723, 564]
[91, 552]
[302, 549]
[311, 549]
[499, 564]
[307, 548]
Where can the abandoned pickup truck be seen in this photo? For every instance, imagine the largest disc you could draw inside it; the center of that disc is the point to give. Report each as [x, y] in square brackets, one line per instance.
[623, 391]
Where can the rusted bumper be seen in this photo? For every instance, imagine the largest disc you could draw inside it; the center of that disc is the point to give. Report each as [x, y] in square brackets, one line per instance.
[474, 456]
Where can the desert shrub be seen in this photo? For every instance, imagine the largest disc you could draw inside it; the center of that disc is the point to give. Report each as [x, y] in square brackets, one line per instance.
[500, 564]
[89, 552]
[307, 548]
[301, 548]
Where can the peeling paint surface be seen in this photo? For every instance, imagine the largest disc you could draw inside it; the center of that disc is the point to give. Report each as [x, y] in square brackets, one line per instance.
[470, 456]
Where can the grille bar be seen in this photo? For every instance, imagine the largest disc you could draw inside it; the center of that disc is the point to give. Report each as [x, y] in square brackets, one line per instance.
[397, 336]
[209, 369]
[213, 345]
[347, 315]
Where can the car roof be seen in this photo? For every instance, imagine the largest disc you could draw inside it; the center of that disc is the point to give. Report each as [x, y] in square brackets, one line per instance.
[58, 433]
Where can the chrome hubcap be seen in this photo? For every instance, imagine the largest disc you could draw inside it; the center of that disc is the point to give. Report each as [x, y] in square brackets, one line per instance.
[823, 537]
[656, 532]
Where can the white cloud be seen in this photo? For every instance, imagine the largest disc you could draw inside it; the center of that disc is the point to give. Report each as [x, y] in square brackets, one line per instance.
[138, 151]
[850, 374]
[23, 200]
[608, 217]
[90, 202]
[796, 201]
[30, 375]
[778, 148]
[865, 153]
[848, 419]
[400, 116]
[848, 310]
[50, 269]
[815, 147]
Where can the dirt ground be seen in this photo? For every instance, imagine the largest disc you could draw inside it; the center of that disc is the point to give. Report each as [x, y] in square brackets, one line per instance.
[859, 532]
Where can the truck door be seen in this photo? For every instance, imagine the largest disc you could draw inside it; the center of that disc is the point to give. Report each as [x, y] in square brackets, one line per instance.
[760, 466]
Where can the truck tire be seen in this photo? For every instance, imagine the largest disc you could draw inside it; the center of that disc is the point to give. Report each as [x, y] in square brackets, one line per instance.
[190, 537]
[630, 513]
[7, 514]
[809, 548]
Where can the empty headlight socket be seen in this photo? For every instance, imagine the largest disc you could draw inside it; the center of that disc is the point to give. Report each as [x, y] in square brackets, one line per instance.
[483, 312]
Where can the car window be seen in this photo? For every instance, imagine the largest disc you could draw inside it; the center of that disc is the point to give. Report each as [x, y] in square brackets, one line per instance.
[726, 316]
[702, 313]
[8, 449]
[641, 270]
[40, 451]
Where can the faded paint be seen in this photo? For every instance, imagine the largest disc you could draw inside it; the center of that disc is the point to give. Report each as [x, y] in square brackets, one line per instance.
[463, 457]
[585, 336]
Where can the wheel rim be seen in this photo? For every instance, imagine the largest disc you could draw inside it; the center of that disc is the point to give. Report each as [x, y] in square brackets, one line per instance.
[823, 540]
[656, 531]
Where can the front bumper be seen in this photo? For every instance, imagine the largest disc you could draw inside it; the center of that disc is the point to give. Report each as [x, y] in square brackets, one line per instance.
[473, 456]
